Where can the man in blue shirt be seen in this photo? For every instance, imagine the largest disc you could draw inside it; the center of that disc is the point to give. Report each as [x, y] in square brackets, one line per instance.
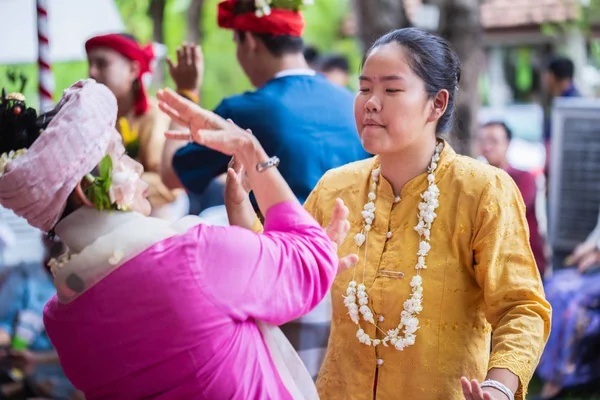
[295, 113]
[559, 82]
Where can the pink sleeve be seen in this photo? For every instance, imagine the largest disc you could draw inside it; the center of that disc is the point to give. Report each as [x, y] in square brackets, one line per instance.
[276, 276]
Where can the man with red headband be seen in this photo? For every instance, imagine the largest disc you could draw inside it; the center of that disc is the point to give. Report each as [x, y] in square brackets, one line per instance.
[296, 114]
[119, 62]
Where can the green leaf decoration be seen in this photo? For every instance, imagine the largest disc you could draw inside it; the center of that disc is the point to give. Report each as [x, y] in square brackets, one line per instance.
[293, 5]
[99, 189]
[106, 167]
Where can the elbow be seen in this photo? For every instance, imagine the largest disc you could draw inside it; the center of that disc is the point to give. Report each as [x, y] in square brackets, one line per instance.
[327, 265]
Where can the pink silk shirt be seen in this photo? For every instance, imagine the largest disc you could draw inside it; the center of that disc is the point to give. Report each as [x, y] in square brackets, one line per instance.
[177, 321]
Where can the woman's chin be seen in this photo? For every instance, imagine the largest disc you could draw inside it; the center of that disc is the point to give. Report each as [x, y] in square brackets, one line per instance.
[371, 145]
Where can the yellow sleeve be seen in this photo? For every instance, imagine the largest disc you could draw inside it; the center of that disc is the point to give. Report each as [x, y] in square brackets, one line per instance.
[311, 205]
[505, 269]
[152, 130]
[258, 226]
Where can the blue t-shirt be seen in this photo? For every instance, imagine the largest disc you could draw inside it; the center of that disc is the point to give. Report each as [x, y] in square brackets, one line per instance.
[304, 120]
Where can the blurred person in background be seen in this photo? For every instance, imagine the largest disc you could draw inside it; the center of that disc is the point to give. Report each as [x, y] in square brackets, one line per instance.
[336, 69]
[571, 359]
[29, 365]
[558, 81]
[121, 63]
[311, 55]
[494, 139]
[559, 78]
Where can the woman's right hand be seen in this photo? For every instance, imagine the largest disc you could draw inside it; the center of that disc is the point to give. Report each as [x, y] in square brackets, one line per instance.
[210, 130]
[337, 230]
[205, 127]
[237, 187]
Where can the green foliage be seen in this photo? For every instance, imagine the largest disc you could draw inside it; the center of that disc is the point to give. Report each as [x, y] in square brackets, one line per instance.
[524, 70]
[223, 76]
[100, 186]
[588, 15]
[595, 51]
[294, 5]
[136, 19]
[323, 24]
[65, 74]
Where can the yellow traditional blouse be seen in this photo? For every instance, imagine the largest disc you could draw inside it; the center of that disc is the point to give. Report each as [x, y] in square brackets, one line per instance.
[481, 278]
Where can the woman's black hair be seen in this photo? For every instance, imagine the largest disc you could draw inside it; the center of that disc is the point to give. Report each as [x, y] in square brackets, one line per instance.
[20, 125]
[434, 60]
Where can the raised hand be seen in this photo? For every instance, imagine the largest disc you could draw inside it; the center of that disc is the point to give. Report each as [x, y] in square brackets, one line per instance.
[237, 186]
[188, 70]
[205, 127]
[337, 230]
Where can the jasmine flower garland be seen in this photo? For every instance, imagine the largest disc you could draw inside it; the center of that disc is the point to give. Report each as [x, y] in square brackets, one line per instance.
[357, 298]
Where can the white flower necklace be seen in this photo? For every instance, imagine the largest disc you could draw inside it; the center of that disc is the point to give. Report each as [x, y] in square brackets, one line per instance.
[413, 306]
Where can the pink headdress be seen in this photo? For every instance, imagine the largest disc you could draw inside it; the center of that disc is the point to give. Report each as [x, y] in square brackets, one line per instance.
[37, 184]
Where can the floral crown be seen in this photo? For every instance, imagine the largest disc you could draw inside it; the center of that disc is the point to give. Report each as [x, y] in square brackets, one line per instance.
[263, 7]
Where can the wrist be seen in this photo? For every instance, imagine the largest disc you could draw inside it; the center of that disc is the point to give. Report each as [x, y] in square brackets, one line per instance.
[496, 394]
[234, 202]
[190, 94]
[251, 154]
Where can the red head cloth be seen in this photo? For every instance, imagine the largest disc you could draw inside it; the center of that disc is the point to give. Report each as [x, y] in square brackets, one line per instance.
[131, 49]
[279, 22]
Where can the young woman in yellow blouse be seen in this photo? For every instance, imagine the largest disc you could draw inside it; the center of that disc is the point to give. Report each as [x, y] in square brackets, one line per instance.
[442, 240]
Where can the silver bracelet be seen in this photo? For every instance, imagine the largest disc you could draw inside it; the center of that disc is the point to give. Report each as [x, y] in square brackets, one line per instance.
[499, 386]
[271, 162]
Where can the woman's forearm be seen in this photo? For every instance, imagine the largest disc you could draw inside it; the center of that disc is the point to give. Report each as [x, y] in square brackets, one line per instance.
[241, 214]
[268, 186]
[505, 377]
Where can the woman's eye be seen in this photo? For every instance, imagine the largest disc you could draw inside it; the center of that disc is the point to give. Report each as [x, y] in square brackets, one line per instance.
[393, 90]
[364, 90]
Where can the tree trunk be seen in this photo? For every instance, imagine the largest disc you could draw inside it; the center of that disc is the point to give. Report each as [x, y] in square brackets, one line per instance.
[378, 17]
[460, 23]
[195, 33]
[157, 13]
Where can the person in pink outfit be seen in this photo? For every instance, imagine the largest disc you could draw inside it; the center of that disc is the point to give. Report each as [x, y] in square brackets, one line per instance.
[150, 309]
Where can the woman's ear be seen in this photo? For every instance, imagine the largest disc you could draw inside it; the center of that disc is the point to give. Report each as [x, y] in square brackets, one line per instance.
[439, 105]
[82, 197]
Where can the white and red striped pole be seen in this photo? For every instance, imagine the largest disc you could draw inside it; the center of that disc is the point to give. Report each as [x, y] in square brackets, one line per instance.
[46, 78]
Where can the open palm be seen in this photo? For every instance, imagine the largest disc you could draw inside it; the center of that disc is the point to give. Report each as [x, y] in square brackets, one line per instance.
[205, 127]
